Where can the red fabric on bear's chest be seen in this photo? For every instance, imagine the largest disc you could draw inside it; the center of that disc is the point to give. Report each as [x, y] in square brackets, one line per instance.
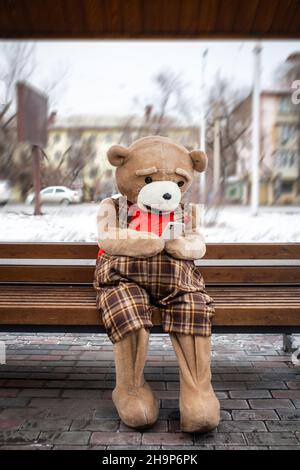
[149, 221]
[146, 221]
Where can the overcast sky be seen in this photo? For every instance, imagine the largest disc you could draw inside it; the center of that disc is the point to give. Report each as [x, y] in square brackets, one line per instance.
[104, 77]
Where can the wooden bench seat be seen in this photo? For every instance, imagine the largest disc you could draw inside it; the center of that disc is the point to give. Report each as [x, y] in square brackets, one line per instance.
[49, 286]
[75, 305]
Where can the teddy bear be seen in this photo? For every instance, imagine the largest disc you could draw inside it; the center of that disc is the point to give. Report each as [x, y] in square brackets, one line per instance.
[138, 269]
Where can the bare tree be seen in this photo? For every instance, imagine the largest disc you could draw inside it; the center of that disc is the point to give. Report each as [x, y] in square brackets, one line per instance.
[157, 113]
[55, 86]
[18, 64]
[288, 71]
[233, 108]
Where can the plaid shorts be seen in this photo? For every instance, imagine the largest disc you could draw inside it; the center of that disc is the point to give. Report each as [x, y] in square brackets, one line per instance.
[127, 288]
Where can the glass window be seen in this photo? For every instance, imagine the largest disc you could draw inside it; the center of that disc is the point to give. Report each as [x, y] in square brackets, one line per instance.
[287, 186]
[108, 138]
[47, 191]
[115, 110]
[286, 133]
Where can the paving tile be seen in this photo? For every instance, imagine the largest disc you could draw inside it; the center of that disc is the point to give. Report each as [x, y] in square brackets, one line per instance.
[266, 385]
[9, 392]
[166, 438]
[39, 392]
[82, 393]
[229, 385]
[18, 437]
[63, 437]
[14, 402]
[240, 377]
[8, 424]
[221, 438]
[292, 394]
[242, 426]
[116, 438]
[95, 425]
[159, 426]
[245, 447]
[270, 403]
[249, 394]
[27, 447]
[271, 439]
[254, 415]
[275, 426]
[70, 447]
[285, 447]
[234, 404]
[293, 384]
[289, 415]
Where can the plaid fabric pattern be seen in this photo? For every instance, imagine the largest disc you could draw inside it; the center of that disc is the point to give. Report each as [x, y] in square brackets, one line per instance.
[127, 287]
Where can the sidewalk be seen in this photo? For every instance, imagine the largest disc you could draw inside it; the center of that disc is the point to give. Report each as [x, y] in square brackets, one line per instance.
[55, 393]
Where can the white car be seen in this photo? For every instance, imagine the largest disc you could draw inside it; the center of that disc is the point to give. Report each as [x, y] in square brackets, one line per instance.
[5, 191]
[56, 195]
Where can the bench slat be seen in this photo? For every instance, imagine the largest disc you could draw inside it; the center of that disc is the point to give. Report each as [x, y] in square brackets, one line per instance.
[212, 274]
[89, 251]
[50, 306]
[79, 315]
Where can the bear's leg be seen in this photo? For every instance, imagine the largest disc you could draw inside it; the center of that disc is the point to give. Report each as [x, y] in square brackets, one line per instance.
[199, 407]
[132, 396]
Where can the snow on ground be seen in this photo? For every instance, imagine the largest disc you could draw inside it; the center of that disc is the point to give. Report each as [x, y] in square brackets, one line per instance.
[77, 223]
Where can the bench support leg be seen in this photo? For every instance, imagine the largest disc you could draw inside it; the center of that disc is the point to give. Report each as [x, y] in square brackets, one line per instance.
[287, 343]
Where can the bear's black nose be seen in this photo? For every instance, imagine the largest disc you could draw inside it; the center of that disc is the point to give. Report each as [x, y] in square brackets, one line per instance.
[167, 196]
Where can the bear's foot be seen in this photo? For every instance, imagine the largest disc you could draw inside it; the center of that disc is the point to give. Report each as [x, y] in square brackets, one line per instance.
[202, 415]
[136, 406]
[199, 406]
[133, 397]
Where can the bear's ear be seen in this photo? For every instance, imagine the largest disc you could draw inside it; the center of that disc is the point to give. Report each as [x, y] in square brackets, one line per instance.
[117, 155]
[199, 159]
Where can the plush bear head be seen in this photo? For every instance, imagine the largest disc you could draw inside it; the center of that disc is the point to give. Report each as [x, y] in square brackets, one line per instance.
[155, 172]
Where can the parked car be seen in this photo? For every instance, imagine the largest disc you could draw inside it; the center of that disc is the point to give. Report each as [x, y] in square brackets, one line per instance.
[56, 195]
[5, 191]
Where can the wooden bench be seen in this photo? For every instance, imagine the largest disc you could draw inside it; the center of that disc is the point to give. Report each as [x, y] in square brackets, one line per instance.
[48, 287]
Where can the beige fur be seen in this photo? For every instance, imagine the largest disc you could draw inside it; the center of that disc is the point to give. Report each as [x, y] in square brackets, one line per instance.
[199, 407]
[136, 403]
[162, 160]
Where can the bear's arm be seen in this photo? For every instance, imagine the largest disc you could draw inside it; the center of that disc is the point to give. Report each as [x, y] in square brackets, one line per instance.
[190, 246]
[123, 241]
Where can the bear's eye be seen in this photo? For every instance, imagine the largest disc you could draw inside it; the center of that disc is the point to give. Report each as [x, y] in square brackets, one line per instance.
[148, 180]
[180, 183]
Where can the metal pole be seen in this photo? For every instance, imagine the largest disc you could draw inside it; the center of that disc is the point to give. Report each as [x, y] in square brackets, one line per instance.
[216, 175]
[202, 122]
[37, 179]
[255, 130]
